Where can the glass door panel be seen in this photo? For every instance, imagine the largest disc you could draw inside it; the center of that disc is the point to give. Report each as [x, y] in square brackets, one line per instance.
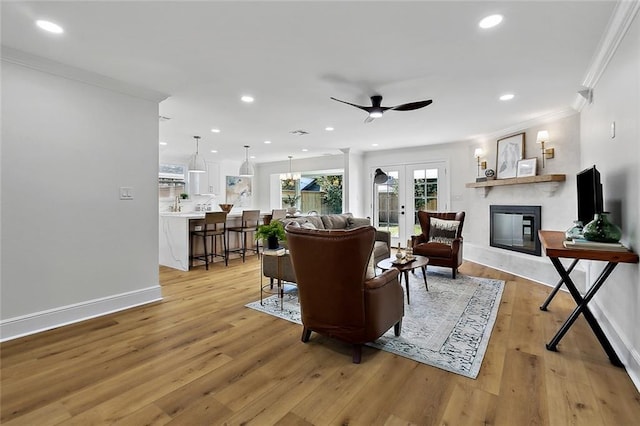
[387, 204]
[408, 190]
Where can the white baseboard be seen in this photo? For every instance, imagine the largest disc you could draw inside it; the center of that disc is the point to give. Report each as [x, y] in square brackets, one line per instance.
[543, 272]
[625, 351]
[534, 268]
[13, 328]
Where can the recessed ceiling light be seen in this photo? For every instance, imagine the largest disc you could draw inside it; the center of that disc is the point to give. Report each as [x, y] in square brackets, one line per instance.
[246, 98]
[490, 21]
[163, 143]
[214, 151]
[49, 26]
[304, 150]
[215, 130]
[267, 142]
[507, 97]
[252, 157]
[374, 144]
[329, 129]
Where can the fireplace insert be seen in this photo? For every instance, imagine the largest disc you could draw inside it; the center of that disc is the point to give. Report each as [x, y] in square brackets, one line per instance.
[515, 228]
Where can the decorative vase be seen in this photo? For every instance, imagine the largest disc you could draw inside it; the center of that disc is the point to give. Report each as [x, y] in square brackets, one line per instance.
[575, 231]
[601, 230]
[272, 242]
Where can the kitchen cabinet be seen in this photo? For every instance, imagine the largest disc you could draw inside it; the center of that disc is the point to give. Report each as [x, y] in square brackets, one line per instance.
[205, 183]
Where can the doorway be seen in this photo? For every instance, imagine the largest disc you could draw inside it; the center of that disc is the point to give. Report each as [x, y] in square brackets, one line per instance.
[409, 188]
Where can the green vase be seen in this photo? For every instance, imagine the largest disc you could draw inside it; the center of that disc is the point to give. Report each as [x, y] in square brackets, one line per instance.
[601, 230]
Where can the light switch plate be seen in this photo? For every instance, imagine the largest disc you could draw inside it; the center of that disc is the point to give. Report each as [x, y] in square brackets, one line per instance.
[126, 193]
[613, 129]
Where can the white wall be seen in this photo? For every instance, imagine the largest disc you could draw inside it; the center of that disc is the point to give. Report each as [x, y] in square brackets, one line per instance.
[558, 210]
[71, 249]
[617, 99]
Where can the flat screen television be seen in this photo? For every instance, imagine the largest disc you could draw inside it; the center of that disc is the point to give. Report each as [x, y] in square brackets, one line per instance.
[589, 194]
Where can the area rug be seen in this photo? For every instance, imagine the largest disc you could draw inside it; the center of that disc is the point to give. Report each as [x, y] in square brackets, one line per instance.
[447, 327]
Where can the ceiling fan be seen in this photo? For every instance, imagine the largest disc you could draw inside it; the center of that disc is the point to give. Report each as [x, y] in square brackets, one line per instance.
[376, 109]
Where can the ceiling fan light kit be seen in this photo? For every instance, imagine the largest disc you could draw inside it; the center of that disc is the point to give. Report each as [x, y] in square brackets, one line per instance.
[376, 109]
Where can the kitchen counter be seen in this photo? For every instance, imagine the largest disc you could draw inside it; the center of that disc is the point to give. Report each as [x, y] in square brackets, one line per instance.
[174, 233]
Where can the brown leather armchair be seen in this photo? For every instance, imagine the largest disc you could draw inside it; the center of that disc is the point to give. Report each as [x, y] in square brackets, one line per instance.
[336, 297]
[439, 253]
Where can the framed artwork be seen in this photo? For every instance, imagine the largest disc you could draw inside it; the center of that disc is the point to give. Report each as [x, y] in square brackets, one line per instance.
[527, 167]
[510, 151]
[238, 191]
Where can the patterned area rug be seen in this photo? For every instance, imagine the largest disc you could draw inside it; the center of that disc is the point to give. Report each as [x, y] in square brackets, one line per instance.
[447, 327]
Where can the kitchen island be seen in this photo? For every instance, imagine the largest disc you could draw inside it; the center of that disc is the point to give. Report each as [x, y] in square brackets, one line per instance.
[174, 237]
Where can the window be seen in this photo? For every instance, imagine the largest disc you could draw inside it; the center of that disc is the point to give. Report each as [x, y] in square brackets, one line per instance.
[320, 193]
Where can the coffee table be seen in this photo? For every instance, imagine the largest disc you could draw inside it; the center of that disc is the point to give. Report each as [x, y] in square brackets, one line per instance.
[404, 268]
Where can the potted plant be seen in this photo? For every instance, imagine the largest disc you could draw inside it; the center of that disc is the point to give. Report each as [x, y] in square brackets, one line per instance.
[184, 195]
[271, 233]
[291, 201]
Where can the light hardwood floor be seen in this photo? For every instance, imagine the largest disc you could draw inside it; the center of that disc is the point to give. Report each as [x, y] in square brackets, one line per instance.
[200, 357]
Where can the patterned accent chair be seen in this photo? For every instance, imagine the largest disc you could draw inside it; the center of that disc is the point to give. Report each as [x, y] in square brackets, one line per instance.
[336, 297]
[441, 239]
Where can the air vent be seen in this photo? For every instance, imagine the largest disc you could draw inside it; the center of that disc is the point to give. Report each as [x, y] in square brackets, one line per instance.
[299, 132]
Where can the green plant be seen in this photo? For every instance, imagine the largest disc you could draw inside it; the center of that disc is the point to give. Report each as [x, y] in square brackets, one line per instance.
[184, 195]
[272, 229]
[332, 188]
[291, 200]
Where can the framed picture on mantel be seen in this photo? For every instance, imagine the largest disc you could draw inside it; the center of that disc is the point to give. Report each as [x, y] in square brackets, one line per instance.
[527, 167]
[510, 151]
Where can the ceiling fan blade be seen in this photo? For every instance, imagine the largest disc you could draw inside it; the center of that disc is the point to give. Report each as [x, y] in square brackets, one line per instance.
[349, 103]
[412, 105]
[369, 119]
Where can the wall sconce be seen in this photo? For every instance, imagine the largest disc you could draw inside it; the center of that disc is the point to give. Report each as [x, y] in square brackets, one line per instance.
[481, 164]
[547, 153]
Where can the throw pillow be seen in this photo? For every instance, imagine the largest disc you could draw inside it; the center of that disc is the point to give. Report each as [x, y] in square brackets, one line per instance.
[308, 225]
[443, 231]
[355, 222]
[336, 221]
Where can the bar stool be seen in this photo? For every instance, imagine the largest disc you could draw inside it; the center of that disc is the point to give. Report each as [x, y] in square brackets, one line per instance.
[278, 214]
[250, 219]
[215, 225]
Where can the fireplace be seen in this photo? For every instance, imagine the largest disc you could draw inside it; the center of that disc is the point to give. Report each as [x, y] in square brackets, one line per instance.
[515, 228]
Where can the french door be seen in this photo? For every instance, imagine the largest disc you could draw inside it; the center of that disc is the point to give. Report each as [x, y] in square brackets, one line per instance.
[409, 189]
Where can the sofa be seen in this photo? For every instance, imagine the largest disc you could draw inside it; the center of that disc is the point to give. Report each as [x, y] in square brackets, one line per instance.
[381, 247]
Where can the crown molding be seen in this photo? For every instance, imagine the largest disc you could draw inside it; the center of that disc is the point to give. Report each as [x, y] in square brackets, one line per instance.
[524, 125]
[621, 19]
[59, 69]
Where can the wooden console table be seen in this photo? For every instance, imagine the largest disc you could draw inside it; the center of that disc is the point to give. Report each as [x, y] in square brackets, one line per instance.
[552, 243]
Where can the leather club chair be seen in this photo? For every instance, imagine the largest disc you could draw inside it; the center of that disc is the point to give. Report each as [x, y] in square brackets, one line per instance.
[336, 297]
[439, 253]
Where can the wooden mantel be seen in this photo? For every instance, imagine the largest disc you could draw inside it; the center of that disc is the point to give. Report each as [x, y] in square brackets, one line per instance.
[550, 183]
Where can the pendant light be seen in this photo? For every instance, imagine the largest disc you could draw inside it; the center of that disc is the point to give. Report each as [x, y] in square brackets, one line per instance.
[246, 168]
[290, 178]
[196, 163]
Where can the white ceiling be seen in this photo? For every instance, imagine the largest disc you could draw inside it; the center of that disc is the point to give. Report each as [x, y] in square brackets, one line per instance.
[293, 56]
